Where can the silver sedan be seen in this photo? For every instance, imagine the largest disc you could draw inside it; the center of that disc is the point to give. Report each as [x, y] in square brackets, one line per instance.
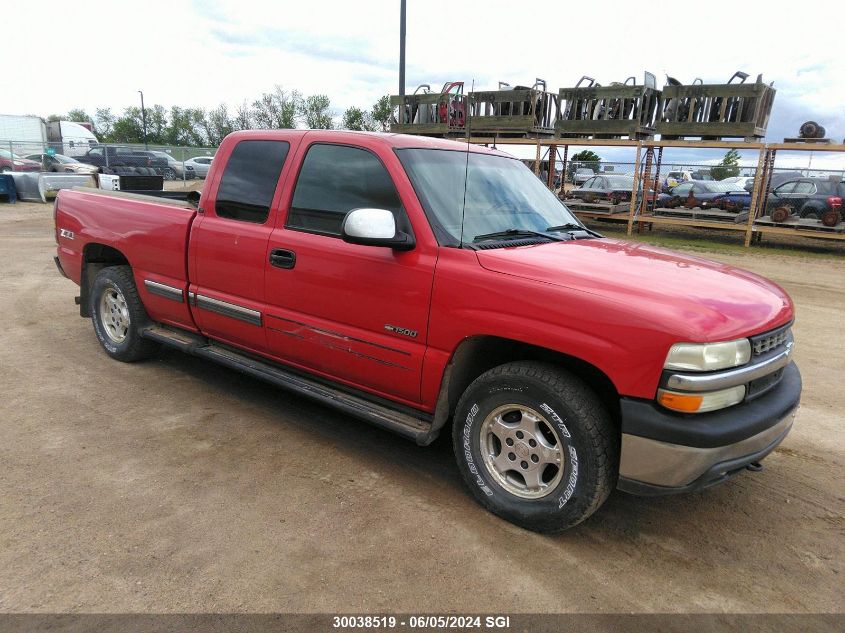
[201, 165]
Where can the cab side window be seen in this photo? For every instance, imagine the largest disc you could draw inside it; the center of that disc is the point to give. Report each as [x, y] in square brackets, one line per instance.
[249, 180]
[335, 179]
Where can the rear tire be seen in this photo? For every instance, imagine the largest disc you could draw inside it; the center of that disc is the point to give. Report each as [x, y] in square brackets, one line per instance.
[830, 217]
[535, 446]
[118, 315]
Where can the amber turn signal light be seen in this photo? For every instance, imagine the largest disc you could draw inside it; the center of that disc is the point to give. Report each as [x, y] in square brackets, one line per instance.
[686, 403]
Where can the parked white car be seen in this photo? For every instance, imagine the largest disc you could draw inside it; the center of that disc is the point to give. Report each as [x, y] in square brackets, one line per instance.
[740, 182]
[582, 175]
[200, 165]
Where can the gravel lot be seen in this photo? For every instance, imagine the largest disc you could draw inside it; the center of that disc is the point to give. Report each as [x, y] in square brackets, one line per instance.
[177, 485]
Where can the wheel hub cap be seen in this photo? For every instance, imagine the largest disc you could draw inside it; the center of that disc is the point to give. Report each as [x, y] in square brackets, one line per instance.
[522, 451]
[114, 315]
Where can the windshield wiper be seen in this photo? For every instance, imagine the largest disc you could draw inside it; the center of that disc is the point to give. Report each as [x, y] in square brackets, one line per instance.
[515, 233]
[571, 226]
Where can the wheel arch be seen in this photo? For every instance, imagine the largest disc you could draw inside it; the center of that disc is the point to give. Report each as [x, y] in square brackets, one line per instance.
[95, 257]
[478, 354]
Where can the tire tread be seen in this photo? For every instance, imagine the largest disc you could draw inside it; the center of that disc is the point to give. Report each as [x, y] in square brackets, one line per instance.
[594, 421]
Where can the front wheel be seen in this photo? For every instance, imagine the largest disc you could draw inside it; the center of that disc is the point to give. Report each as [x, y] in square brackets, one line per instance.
[118, 315]
[536, 446]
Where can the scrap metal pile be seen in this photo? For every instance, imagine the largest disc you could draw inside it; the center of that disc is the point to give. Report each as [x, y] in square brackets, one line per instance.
[626, 109]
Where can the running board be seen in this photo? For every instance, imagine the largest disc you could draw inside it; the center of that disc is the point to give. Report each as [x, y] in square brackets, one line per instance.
[405, 424]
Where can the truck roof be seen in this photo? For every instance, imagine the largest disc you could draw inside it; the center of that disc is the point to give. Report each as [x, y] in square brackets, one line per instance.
[387, 138]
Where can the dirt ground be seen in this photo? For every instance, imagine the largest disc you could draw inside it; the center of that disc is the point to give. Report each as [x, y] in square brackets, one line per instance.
[177, 485]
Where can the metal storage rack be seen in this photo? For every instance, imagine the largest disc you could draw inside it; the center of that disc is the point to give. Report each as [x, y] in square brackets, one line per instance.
[648, 161]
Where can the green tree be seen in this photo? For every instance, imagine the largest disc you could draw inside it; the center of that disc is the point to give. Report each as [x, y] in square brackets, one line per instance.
[356, 119]
[216, 124]
[104, 124]
[129, 127]
[157, 125]
[53, 118]
[381, 113]
[315, 112]
[728, 167]
[184, 127]
[243, 117]
[586, 156]
[79, 116]
[277, 109]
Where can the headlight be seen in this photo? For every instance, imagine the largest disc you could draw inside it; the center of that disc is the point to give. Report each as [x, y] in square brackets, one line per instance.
[708, 356]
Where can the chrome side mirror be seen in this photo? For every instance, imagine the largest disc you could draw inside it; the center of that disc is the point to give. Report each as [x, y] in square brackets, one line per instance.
[374, 227]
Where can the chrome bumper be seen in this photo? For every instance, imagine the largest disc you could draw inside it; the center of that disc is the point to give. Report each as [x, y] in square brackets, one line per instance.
[676, 467]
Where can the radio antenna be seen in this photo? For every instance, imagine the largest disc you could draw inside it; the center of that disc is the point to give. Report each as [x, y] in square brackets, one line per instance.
[468, 118]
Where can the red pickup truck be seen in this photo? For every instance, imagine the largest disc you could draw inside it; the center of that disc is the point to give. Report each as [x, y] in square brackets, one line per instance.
[417, 283]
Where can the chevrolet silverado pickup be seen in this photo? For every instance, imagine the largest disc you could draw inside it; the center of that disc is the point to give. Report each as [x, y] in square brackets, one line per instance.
[424, 284]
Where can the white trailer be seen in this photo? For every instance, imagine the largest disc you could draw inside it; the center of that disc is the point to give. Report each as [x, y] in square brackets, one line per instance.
[22, 134]
[70, 138]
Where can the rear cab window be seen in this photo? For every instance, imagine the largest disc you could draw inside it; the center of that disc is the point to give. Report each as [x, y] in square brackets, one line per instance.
[249, 180]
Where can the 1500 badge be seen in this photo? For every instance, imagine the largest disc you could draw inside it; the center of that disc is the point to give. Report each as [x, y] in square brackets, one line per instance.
[400, 330]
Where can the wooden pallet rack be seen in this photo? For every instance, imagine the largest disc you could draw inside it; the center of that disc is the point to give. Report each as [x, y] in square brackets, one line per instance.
[605, 112]
[514, 112]
[715, 111]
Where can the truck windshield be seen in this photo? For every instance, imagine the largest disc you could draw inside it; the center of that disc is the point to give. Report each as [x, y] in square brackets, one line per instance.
[502, 195]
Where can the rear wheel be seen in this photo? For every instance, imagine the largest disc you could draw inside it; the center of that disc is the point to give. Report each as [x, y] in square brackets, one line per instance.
[535, 446]
[118, 315]
[830, 217]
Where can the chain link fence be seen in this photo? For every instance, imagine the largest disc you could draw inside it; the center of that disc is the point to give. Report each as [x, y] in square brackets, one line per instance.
[173, 163]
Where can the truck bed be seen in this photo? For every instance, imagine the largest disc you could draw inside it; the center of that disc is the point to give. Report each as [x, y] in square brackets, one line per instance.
[151, 232]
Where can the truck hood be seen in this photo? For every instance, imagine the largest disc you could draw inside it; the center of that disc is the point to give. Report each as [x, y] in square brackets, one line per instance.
[698, 299]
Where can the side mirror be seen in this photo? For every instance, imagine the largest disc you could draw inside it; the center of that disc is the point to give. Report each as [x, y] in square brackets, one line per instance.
[374, 227]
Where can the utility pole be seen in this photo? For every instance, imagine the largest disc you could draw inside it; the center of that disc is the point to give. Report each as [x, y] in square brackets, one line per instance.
[144, 115]
[402, 47]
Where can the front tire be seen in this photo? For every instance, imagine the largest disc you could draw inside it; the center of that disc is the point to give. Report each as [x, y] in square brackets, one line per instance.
[118, 315]
[535, 446]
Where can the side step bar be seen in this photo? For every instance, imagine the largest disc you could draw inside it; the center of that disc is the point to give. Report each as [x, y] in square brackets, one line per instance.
[405, 424]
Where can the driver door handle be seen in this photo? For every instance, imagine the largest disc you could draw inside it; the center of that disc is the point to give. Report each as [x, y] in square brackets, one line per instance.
[282, 258]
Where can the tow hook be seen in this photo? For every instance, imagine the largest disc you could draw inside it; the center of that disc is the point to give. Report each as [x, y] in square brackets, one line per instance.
[755, 467]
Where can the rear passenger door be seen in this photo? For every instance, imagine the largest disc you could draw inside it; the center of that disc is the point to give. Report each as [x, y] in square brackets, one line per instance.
[803, 193]
[229, 243]
[356, 314]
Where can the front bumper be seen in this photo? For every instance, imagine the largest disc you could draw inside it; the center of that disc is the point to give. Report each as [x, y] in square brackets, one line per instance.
[666, 453]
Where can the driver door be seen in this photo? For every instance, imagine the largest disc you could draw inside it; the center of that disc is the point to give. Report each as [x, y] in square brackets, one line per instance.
[352, 313]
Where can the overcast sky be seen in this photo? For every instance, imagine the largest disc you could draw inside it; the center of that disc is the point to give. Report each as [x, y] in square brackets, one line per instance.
[99, 54]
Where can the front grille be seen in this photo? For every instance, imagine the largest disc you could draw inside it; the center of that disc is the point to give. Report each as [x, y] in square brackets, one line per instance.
[764, 343]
